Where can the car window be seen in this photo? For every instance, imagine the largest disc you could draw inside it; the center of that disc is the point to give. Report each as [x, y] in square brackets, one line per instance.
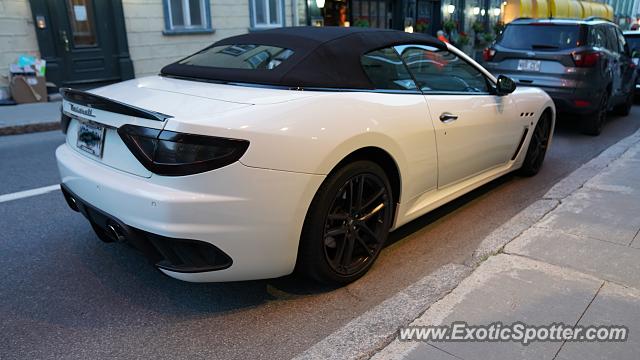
[438, 70]
[386, 70]
[540, 37]
[612, 39]
[597, 37]
[240, 56]
[622, 42]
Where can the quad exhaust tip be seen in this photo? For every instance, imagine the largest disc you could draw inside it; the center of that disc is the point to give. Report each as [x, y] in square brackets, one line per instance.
[114, 232]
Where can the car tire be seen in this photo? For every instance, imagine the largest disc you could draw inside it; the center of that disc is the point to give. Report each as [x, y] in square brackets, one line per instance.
[625, 108]
[594, 122]
[347, 224]
[538, 145]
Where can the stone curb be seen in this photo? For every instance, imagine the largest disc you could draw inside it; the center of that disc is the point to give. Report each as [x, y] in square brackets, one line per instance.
[369, 333]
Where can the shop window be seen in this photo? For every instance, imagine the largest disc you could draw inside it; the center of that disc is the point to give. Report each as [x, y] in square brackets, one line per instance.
[266, 13]
[187, 16]
[386, 70]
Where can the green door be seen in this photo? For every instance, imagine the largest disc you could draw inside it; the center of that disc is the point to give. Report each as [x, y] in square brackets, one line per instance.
[83, 41]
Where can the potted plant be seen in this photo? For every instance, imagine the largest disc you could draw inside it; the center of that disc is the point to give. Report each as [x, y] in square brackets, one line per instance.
[478, 27]
[422, 25]
[449, 26]
[362, 23]
[463, 38]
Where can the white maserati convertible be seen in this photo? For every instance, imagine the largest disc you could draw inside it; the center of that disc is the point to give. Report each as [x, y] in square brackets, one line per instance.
[292, 149]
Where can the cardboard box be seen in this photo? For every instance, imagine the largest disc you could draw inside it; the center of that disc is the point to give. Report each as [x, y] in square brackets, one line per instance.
[28, 89]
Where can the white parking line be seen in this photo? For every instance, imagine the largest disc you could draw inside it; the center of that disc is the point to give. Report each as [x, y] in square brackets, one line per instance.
[28, 193]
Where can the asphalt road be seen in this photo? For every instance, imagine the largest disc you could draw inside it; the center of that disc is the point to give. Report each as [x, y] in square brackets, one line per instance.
[65, 294]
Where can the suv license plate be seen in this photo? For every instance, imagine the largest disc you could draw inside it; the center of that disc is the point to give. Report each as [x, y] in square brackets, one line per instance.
[529, 65]
[91, 138]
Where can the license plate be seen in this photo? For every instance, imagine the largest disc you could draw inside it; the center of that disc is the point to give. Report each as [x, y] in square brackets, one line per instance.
[91, 138]
[529, 65]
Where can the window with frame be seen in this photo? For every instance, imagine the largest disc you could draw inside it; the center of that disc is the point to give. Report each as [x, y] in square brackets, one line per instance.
[385, 70]
[187, 16]
[612, 39]
[597, 37]
[266, 13]
[438, 70]
[241, 56]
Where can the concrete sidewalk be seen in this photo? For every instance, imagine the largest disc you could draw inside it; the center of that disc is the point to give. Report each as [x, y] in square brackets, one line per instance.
[18, 119]
[579, 265]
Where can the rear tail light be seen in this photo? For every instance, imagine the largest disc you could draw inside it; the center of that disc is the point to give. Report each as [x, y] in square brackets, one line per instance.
[586, 59]
[581, 103]
[488, 54]
[175, 154]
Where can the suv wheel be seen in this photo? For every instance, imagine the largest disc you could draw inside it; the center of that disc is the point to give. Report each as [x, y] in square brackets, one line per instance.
[595, 121]
[625, 108]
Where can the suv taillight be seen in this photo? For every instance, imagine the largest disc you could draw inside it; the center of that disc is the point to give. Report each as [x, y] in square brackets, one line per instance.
[175, 154]
[488, 54]
[586, 59]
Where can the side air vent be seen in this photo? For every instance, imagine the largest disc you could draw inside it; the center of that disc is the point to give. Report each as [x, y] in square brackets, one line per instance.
[524, 136]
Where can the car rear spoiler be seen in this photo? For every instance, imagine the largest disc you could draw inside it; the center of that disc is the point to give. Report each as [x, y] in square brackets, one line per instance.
[101, 103]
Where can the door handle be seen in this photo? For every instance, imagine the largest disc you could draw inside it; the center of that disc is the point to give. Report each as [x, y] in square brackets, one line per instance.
[446, 117]
[65, 40]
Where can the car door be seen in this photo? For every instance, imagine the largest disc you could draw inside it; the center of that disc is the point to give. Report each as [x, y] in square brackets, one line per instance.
[476, 131]
[617, 62]
[407, 111]
[627, 66]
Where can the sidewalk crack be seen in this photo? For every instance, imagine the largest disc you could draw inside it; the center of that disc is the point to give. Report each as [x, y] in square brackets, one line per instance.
[445, 351]
[580, 318]
[634, 237]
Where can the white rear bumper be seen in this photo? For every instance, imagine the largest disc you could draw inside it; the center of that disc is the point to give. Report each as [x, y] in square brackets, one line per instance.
[253, 215]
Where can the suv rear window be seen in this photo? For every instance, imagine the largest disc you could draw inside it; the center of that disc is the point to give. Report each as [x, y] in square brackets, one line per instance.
[540, 36]
[240, 57]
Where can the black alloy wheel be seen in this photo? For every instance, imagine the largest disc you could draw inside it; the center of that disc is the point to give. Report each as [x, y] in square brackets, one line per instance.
[347, 224]
[537, 146]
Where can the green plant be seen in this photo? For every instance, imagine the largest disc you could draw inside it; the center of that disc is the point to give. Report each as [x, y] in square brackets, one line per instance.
[422, 25]
[488, 37]
[362, 23]
[498, 28]
[478, 27]
[448, 26]
[463, 39]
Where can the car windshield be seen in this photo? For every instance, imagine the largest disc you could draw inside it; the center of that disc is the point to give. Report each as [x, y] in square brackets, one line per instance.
[540, 36]
[240, 57]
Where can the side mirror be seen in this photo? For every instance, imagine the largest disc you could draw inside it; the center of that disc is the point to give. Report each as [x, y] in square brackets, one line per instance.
[505, 85]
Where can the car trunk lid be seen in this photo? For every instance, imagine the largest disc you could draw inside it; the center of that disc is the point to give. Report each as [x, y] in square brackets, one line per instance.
[93, 119]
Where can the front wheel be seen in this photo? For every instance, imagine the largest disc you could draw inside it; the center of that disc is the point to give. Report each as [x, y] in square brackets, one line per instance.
[537, 147]
[347, 224]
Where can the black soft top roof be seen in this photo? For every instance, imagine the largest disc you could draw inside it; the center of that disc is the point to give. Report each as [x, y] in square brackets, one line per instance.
[324, 57]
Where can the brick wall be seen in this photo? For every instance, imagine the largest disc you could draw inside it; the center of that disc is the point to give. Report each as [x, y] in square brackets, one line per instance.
[17, 34]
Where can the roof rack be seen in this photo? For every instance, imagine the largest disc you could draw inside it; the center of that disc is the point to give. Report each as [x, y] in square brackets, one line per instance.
[591, 18]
